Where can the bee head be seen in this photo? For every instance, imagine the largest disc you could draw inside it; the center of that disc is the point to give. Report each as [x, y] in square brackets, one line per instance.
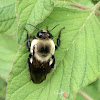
[44, 34]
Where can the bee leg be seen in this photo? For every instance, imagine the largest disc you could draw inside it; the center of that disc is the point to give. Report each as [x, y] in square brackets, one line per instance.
[52, 62]
[29, 65]
[58, 39]
[28, 41]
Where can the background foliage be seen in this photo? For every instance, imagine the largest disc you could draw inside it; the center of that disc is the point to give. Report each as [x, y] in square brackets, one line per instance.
[81, 34]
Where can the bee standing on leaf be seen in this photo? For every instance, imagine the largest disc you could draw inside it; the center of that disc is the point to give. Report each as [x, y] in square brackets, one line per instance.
[41, 58]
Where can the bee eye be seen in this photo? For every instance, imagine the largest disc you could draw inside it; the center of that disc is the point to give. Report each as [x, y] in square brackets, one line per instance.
[39, 35]
[48, 35]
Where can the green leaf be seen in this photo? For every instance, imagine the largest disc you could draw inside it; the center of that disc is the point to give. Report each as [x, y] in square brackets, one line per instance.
[92, 91]
[8, 50]
[3, 85]
[65, 0]
[77, 59]
[31, 12]
[8, 23]
[8, 42]
[98, 16]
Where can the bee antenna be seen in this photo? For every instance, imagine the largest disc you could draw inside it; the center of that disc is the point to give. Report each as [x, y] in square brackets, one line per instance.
[33, 26]
[54, 27]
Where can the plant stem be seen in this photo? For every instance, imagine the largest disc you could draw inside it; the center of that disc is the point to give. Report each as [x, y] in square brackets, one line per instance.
[79, 6]
[85, 95]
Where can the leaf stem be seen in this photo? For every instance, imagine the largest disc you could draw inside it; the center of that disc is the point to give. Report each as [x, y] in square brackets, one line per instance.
[97, 6]
[85, 95]
[96, 9]
[79, 6]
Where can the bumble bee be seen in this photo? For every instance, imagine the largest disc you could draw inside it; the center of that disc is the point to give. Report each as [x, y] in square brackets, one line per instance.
[41, 58]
